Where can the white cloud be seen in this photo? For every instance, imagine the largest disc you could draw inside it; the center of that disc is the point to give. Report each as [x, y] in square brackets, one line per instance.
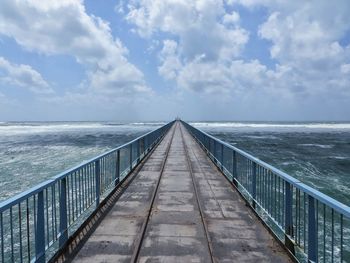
[195, 23]
[345, 69]
[23, 76]
[206, 39]
[295, 38]
[306, 37]
[204, 55]
[301, 31]
[119, 8]
[171, 63]
[236, 78]
[232, 18]
[63, 27]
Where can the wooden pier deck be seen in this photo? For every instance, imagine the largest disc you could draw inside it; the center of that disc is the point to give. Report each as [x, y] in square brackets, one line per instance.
[180, 208]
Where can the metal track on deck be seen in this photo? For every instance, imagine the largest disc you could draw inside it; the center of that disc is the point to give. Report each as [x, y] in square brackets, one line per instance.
[197, 197]
[136, 253]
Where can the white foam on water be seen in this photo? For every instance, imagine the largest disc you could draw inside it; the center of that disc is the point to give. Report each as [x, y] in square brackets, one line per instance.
[287, 163]
[323, 146]
[340, 157]
[10, 129]
[340, 126]
[148, 123]
[262, 137]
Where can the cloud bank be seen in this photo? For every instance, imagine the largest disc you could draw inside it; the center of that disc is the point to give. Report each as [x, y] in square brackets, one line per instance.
[63, 27]
[196, 58]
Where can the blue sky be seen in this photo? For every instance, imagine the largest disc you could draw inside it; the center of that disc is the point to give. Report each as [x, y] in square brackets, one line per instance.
[152, 60]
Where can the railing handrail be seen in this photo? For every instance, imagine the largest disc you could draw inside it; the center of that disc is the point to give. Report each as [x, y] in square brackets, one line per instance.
[47, 183]
[333, 203]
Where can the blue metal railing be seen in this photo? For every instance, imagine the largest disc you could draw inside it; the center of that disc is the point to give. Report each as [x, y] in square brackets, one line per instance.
[313, 226]
[35, 224]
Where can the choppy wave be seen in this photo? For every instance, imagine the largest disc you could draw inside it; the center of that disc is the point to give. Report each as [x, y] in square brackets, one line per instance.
[14, 128]
[262, 137]
[339, 126]
[23, 128]
[148, 123]
[319, 158]
[33, 152]
[340, 157]
[324, 146]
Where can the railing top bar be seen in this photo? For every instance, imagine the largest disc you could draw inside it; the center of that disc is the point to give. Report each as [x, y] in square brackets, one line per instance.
[336, 205]
[109, 152]
[77, 167]
[24, 195]
[287, 177]
[327, 200]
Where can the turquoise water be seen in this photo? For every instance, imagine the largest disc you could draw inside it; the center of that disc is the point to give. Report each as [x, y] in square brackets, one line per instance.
[315, 153]
[33, 152]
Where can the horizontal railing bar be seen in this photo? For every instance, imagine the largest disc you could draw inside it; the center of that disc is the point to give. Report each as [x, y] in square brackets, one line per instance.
[24, 195]
[77, 167]
[327, 200]
[252, 158]
[323, 198]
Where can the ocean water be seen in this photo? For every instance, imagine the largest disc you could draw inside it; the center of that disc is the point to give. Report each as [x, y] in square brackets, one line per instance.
[317, 154]
[31, 152]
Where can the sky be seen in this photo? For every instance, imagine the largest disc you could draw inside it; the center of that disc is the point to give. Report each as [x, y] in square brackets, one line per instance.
[261, 60]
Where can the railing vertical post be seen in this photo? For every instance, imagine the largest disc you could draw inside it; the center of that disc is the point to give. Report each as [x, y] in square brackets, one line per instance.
[97, 181]
[138, 150]
[143, 146]
[146, 144]
[40, 230]
[234, 168]
[312, 235]
[117, 168]
[254, 183]
[206, 144]
[209, 146]
[222, 157]
[63, 212]
[216, 161]
[130, 157]
[288, 207]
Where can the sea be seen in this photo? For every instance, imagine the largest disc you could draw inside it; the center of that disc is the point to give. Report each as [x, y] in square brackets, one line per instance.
[32, 152]
[317, 153]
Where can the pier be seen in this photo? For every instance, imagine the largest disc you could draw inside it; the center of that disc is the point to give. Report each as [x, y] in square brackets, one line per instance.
[175, 194]
[179, 208]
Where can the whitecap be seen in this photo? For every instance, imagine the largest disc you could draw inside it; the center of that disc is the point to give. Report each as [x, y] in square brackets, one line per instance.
[340, 157]
[340, 126]
[147, 123]
[262, 137]
[324, 146]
